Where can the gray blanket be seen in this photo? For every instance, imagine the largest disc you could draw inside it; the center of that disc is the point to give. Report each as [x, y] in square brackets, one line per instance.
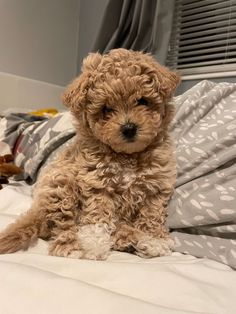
[202, 211]
[32, 139]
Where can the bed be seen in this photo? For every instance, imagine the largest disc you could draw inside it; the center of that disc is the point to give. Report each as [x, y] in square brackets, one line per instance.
[198, 277]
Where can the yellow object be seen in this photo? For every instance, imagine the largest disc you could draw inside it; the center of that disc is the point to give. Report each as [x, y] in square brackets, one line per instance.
[45, 112]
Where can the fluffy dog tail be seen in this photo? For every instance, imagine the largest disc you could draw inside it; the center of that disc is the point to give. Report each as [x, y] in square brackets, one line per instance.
[20, 235]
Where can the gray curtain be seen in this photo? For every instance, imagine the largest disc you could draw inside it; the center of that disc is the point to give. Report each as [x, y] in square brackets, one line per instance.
[143, 25]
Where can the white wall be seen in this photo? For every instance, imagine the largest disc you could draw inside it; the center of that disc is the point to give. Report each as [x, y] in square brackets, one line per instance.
[39, 39]
[90, 16]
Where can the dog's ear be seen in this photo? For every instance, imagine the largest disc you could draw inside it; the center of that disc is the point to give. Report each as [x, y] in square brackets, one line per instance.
[75, 95]
[169, 112]
[166, 81]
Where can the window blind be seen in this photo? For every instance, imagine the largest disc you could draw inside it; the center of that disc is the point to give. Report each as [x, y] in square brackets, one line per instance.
[203, 38]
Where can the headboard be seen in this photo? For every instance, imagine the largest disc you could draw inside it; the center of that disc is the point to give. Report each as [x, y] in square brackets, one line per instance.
[23, 93]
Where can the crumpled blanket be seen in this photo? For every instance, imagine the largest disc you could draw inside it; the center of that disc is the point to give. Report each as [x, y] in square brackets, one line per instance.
[32, 138]
[202, 212]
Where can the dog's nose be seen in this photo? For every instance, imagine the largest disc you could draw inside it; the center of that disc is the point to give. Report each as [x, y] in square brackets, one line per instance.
[129, 130]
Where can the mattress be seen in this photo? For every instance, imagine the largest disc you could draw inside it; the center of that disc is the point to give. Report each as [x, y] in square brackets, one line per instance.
[33, 282]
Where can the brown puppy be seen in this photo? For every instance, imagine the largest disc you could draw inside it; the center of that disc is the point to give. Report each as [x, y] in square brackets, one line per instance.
[110, 189]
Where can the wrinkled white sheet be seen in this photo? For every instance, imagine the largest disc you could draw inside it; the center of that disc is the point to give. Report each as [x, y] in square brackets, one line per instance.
[33, 282]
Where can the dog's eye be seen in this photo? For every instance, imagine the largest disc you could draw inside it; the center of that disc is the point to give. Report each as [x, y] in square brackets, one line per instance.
[106, 110]
[142, 102]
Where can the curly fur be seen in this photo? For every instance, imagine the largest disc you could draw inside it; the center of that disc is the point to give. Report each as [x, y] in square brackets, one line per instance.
[105, 191]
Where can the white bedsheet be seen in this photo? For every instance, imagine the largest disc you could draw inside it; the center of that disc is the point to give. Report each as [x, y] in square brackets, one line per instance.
[33, 282]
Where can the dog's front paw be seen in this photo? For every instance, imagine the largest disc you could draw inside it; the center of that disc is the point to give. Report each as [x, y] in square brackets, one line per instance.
[153, 247]
[95, 242]
[90, 242]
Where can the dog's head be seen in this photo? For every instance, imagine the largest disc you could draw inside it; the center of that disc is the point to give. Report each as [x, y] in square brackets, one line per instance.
[122, 99]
